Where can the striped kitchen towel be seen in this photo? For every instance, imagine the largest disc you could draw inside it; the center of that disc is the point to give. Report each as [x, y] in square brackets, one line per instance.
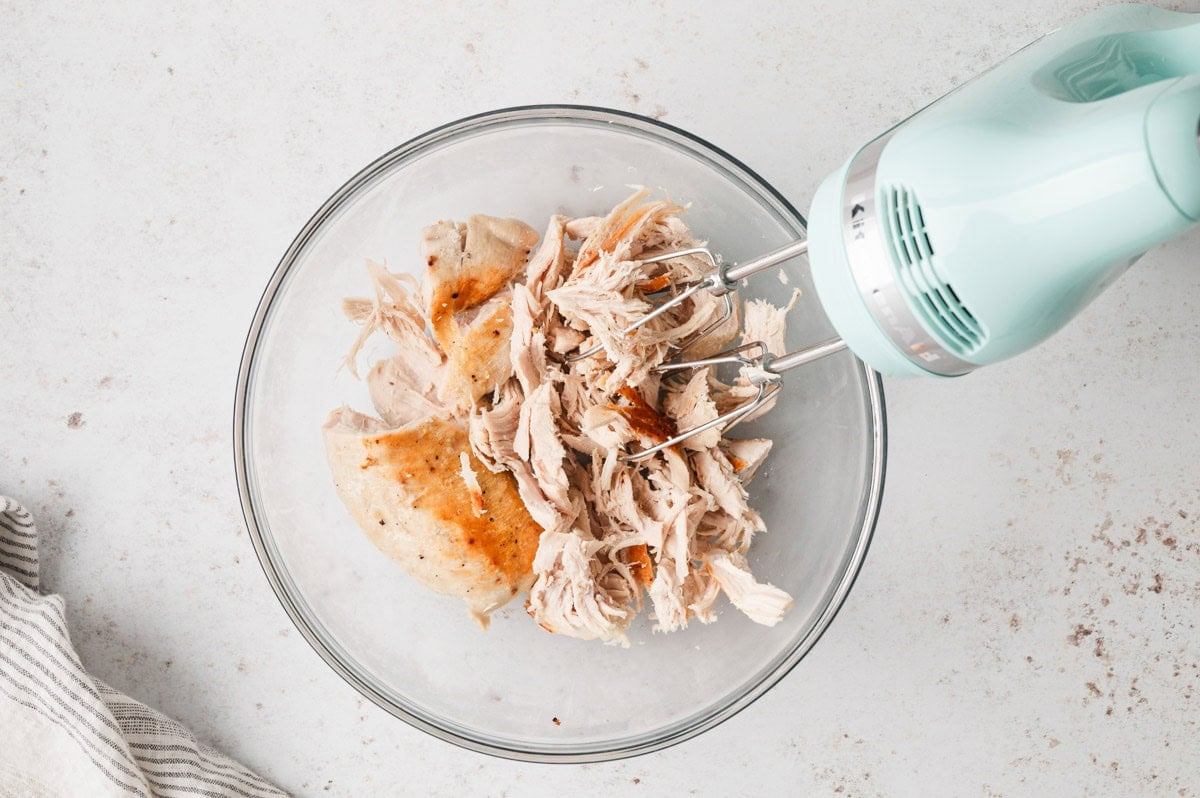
[64, 733]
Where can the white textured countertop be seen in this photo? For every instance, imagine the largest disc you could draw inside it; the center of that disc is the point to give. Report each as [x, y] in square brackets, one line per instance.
[1025, 623]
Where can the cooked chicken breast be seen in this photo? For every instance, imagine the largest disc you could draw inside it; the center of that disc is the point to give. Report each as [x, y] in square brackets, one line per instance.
[405, 488]
[496, 467]
[468, 264]
[467, 301]
[478, 363]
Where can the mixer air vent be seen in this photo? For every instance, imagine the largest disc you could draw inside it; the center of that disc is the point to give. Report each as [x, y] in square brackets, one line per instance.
[930, 294]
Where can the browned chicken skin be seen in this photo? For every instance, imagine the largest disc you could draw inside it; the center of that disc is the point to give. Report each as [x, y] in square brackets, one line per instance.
[405, 488]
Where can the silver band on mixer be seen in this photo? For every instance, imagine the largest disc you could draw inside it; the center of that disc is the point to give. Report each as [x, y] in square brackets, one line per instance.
[871, 265]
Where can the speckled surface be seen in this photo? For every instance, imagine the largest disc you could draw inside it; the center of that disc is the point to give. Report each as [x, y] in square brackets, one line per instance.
[1026, 621]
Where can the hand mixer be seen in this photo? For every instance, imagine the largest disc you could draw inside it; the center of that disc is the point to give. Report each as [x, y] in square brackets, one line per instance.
[979, 226]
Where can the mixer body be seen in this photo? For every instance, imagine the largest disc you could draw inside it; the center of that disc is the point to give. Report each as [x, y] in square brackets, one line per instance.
[982, 224]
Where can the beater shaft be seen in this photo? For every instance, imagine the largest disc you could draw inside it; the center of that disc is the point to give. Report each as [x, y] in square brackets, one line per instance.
[734, 274]
[778, 365]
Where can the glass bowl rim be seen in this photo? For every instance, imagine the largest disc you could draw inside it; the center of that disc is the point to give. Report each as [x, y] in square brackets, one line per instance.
[465, 738]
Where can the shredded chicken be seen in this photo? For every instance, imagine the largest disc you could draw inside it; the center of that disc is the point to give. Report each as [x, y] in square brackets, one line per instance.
[394, 311]
[761, 602]
[483, 345]
[746, 455]
[764, 322]
[471, 481]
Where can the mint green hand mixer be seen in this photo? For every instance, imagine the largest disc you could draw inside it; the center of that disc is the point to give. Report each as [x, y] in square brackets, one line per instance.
[979, 226]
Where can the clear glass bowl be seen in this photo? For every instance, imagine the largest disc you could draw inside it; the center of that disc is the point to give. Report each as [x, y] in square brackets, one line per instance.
[515, 690]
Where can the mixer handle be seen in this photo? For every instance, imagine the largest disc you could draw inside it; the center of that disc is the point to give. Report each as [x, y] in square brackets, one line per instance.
[1119, 49]
[1143, 62]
